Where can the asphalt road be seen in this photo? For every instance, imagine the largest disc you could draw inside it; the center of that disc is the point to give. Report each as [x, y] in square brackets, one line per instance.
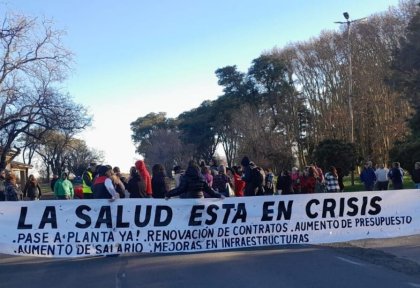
[309, 266]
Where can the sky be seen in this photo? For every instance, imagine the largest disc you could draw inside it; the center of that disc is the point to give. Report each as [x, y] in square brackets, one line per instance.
[134, 57]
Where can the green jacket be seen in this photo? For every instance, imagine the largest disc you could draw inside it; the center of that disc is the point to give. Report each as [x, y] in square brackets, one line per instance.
[63, 187]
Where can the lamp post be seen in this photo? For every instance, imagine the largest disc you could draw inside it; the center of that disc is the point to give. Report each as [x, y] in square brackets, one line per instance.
[348, 22]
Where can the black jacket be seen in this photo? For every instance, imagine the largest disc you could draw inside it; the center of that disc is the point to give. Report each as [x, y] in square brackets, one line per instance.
[159, 186]
[415, 175]
[193, 185]
[137, 187]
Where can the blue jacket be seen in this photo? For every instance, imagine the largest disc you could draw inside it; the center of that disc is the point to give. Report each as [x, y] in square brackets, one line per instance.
[368, 176]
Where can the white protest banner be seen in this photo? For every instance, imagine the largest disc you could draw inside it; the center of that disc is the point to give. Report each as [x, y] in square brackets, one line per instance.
[80, 228]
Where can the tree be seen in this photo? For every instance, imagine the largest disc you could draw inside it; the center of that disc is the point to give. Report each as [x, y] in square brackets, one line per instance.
[406, 69]
[33, 60]
[158, 140]
[197, 128]
[335, 153]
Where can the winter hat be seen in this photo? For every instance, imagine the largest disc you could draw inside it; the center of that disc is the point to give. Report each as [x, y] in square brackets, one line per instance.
[245, 161]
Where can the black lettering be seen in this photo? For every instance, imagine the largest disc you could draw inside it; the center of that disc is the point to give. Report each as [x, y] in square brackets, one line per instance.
[81, 215]
[211, 211]
[240, 213]
[137, 218]
[22, 218]
[374, 204]
[196, 211]
[228, 208]
[308, 208]
[158, 221]
[267, 211]
[329, 206]
[351, 203]
[49, 217]
[287, 213]
[120, 223]
[104, 217]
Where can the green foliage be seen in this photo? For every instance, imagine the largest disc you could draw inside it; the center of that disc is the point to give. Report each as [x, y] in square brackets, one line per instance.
[335, 153]
[406, 153]
[406, 69]
[143, 127]
[197, 128]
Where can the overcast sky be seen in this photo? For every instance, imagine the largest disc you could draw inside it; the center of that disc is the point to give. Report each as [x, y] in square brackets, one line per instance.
[134, 57]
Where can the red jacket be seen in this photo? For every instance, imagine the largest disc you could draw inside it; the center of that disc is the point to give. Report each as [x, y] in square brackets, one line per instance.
[308, 186]
[141, 168]
[239, 185]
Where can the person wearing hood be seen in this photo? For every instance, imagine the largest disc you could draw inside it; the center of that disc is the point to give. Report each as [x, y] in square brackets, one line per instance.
[145, 175]
[193, 184]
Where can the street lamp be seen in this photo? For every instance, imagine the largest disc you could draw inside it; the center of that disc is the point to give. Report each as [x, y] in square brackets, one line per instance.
[348, 22]
[350, 95]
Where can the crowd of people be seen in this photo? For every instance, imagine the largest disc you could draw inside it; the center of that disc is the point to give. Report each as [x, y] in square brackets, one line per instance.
[203, 181]
[381, 177]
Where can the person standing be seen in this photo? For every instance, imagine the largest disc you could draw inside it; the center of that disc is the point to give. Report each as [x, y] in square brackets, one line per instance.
[368, 177]
[253, 178]
[415, 175]
[178, 173]
[331, 180]
[396, 175]
[205, 170]
[269, 182]
[135, 185]
[145, 176]
[340, 178]
[2, 185]
[382, 180]
[87, 181]
[221, 180]
[103, 188]
[284, 183]
[63, 188]
[53, 180]
[160, 183]
[239, 184]
[12, 192]
[193, 185]
[32, 189]
[310, 180]
[119, 181]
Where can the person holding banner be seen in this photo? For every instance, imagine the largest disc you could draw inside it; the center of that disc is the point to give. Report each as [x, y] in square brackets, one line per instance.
[136, 186]
[193, 185]
[160, 183]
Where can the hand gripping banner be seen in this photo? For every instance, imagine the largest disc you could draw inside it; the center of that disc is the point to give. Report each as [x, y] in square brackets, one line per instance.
[80, 228]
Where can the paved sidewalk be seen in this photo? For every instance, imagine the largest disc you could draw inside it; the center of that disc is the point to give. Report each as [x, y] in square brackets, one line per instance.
[407, 247]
